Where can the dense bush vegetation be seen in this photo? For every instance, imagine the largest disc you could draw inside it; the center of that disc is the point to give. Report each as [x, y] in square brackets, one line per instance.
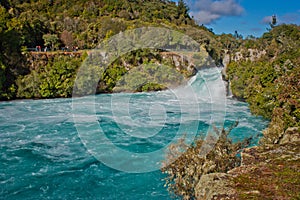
[56, 79]
[271, 84]
[85, 23]
[82, 24]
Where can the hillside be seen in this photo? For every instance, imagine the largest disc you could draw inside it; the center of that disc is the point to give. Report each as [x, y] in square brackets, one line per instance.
[265, 73]
[85, 23]
[271, 86]
[77, 25]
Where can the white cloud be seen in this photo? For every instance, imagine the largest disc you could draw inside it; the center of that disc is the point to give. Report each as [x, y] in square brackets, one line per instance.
[266, 20]
[204, 17]
[207, 11]
[227, 8]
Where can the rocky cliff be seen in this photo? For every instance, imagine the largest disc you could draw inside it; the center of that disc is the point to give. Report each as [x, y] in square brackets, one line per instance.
[52, 74]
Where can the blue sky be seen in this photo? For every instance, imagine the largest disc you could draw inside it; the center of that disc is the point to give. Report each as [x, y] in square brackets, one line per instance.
[248, 17]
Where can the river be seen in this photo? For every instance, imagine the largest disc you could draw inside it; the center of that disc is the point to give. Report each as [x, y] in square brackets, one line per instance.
[109, 146]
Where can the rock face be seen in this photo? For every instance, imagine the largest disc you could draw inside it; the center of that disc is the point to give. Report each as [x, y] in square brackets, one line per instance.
[226, 60]
[291, 135]
[180, 62]
[249, 54]
[266, 172]
[137, 72]
[214, 186]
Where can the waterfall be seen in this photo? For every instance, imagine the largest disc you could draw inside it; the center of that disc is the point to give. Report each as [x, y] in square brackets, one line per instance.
[229, 91]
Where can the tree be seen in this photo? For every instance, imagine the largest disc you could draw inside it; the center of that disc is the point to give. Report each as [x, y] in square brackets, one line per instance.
[272, 23]
[10, 56]
[182, 8]
[237, 35]
[51, 40]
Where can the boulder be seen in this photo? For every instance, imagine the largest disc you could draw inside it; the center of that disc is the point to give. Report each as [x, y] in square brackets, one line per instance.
[214, 186]
[291, 135]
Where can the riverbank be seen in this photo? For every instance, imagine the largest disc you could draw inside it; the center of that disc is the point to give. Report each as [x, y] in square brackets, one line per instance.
[53, 74]
[270, 84]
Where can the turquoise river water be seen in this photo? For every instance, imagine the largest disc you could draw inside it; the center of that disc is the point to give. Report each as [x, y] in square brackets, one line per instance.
[49, 148]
